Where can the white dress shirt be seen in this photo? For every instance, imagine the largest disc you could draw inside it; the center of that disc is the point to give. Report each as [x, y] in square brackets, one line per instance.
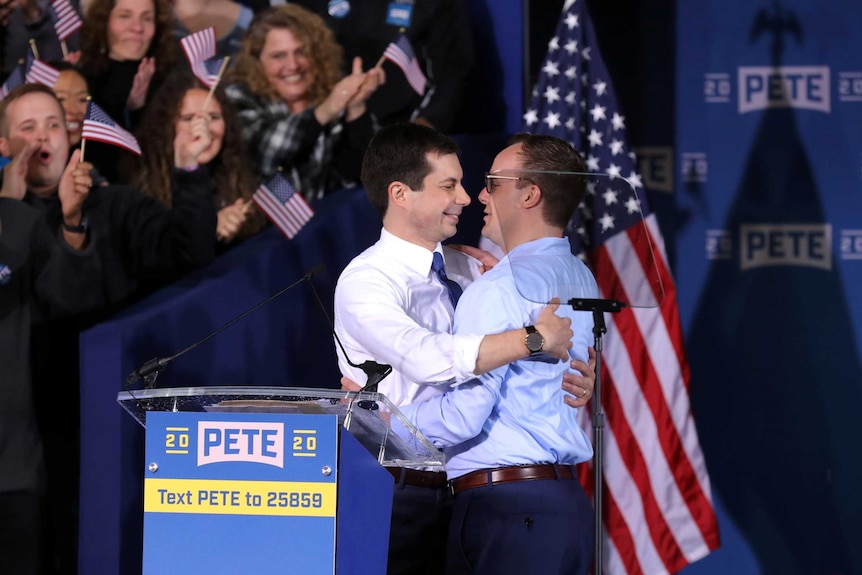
[390, 308]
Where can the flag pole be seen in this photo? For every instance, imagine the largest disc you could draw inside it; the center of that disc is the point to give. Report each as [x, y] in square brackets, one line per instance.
[34, 49]
[84, 140]
[217, 80]
[64, 48]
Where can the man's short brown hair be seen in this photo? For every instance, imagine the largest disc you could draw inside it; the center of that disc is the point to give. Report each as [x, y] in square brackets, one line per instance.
[17, 93]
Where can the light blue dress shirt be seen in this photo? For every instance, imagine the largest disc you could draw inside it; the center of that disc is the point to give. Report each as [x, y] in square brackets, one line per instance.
[514, 415]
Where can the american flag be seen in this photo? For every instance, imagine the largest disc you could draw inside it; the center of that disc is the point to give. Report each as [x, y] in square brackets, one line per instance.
[15, 79]
[37, 71]
[285, 208]
[658, 513]
[401, 53]
[100, 127]
[200, 49]
[66, 19]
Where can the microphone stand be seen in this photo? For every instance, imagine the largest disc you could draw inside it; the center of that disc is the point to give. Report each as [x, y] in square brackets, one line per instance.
[152, 368]
[598, 307]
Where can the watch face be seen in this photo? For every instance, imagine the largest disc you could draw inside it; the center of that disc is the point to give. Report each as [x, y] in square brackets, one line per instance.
[535, 341]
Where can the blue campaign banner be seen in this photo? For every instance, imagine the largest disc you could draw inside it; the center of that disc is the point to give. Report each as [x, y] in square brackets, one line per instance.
[240, 492]
[769, 260]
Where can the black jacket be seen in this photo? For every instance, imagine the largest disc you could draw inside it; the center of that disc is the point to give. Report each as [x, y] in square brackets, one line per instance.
[37, 271]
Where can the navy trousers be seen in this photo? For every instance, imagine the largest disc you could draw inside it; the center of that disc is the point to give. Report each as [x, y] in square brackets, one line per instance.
[541, 527]
[417, 536]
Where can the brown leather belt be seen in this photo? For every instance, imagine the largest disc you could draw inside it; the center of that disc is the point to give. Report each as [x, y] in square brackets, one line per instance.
[484, 477]
[417, 478]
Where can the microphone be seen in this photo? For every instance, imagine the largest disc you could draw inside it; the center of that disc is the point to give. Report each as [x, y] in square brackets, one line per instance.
[375, 372]
[152, 368]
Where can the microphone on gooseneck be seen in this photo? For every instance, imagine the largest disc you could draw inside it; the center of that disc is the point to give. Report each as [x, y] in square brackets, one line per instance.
[152, 368]
[375, 372]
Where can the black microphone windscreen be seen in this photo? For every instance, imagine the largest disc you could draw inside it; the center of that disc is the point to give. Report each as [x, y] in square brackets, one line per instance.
[318, 269]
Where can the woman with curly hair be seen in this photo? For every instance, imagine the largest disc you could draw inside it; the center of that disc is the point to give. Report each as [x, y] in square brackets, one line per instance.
[176, 117]
[298, 112]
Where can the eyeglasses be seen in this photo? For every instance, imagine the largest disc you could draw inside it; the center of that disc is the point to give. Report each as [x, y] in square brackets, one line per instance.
[491, 177]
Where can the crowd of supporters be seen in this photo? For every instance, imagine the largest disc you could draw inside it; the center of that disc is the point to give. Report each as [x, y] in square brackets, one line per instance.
[88, 227]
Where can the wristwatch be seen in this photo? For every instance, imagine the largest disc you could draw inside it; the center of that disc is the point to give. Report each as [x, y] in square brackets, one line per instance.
[79, 229]
[534, 340]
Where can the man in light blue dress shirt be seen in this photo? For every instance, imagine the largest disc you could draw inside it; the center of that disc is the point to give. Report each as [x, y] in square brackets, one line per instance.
[510, 441]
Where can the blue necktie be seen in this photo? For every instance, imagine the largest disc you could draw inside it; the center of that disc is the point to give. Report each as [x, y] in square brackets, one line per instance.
[452, 286]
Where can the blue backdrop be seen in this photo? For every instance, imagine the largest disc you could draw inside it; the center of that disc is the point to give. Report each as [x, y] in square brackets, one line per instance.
[769, 109]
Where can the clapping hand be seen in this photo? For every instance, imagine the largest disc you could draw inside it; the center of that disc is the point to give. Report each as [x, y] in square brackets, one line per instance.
[141, 84]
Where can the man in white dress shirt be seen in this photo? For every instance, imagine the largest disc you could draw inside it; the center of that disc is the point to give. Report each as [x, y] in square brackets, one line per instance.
[391, 307]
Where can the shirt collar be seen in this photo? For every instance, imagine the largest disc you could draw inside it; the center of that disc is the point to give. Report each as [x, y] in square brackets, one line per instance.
[407, 253]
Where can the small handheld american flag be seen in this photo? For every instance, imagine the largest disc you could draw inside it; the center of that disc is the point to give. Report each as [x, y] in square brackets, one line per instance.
[100, 127]
[284, 207]
[37, 71]
[65, 18]
[400, 52]
[200, 49]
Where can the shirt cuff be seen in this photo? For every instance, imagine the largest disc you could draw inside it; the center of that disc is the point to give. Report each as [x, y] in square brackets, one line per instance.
[466, 355]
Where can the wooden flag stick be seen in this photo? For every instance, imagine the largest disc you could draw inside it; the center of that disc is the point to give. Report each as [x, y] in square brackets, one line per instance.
[83, 144]
[34, 49]
[383, 57]
[215, 84]
[64, 48]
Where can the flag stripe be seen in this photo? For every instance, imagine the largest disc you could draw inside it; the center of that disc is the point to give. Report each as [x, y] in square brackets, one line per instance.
[670, 313]
[38, 71]
[66, 19]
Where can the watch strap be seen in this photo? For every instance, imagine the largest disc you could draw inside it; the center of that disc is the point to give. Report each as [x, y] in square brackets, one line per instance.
[79, 229]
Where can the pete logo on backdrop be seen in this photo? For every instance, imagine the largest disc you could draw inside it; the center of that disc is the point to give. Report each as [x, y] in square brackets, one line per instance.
[769, 244]
[763, 87]
[804, 87]
[247, 441]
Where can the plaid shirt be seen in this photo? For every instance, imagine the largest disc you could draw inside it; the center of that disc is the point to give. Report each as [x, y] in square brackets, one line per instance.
[315, 159]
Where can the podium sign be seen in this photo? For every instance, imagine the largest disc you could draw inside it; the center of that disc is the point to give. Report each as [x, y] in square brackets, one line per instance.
[240, 493]
[270, 479]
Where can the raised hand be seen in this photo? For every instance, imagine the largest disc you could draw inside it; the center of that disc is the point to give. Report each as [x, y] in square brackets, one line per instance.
[141, 83]
[72, 57]
[372, 79]
[352, 91]
[15, 173]
[74, 188]
[191, 142]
